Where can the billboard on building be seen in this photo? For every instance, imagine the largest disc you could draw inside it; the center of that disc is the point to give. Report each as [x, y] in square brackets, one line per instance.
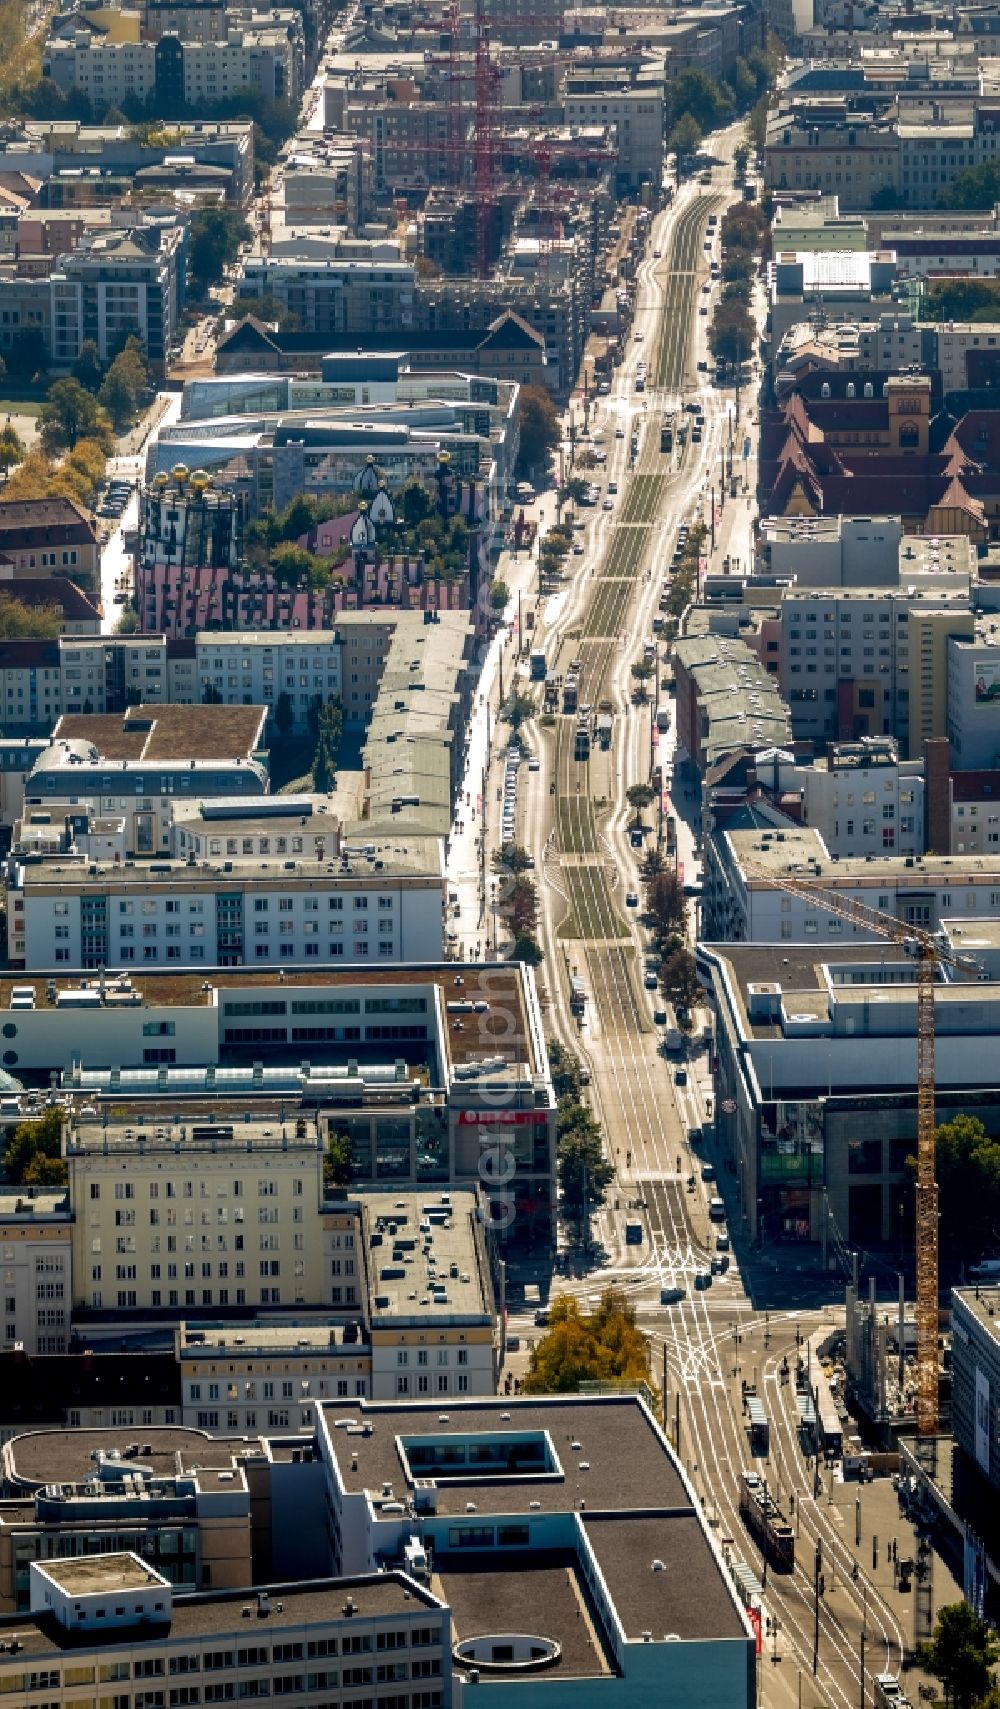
[796, 1124]
[987, 673]
[982, 1419]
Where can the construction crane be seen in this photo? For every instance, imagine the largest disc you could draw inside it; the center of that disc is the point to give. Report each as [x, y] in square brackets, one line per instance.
[928, 955]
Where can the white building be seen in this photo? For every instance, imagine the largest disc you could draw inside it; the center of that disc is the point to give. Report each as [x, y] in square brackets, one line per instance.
[113, 1616]
[861, 798]
[271, 59]
[974, 697]
[352, 906]
[742, 901]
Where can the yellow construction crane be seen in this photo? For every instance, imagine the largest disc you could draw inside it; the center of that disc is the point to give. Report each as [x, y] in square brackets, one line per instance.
[928, 955]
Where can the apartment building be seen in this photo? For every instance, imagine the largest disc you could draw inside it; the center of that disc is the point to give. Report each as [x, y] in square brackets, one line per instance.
[856, 662]
[80, 164]
[635, 111]
[117, 283]
[115, 1619]
[269, 58]
[35, 1242]
[726, 701]
[860, 796]
[368, 289]
[48, 536]
[231, 911]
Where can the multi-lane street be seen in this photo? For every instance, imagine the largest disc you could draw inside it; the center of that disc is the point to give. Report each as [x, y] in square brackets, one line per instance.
[572, 816]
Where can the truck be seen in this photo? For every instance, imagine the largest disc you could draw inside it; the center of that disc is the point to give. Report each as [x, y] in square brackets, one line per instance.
[538, 665]
[667, 433]
[577, 995]
[571, 687]
[604, 723]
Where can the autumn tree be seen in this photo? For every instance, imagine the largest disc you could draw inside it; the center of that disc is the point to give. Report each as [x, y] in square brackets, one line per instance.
[605, 1346]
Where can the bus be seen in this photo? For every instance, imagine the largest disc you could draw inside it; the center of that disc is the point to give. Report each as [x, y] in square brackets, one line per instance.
[633, 1234]
[760, 1435]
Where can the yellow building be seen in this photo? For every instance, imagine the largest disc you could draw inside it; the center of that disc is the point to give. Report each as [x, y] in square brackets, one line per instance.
[928, 632]
[197, 1215]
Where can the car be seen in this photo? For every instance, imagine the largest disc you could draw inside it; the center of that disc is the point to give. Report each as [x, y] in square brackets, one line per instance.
[121, 598]
[603, 389]
[680, 1076]
[635, 839]
[695, 1135]
[657, 254]
[703, 1278]
[600, 456]
[703, 309]
[708, 1171]
[608, 504]
[703, 367]
[651, 981]
[670, 1296]
[534, 765]
[542, 1318]
[619, 432]
[638, 338]
[612, 486]
[706, 288]
[631, 900]
[513, 1343]
[718, 1264]
[722, 1242]
[577, 549]
[659, 1017]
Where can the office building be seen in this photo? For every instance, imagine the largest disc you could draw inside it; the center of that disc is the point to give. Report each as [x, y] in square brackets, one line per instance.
[527, 1512]
[815, 1077]
[35, 1237]
[116, 1619]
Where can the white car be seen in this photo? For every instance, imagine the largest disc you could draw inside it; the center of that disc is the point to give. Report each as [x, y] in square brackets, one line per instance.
[608, 504]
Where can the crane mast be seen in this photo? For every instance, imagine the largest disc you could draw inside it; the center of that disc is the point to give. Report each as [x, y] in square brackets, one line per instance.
[928, 955]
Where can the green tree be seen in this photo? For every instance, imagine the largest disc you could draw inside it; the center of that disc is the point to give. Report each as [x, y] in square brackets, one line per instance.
[584, 1172]
[12, 447]
[741, 157]
[212, 695]
[511, 857]
[215, 235]
[540, 432]
[684, 139]
[499, 595]
[337, 1168]
[30, 1139]
[88, 367]
[603, 1346]
[128, 622]
[575, 489]
[679, 980]
[639, 795]
[322, 768]
[566, 1071]
[331, 728]
[961, 1655]
[665, 903]
[28, 353]
[69, 413]
[696, 95]
[124, 384]
[968, 1173]
[963, 299]
[974, 188]
[527, 949]
[733, 333]
[269, 309]
[517, 709]
[42, 1171]
[284, 716]
[21, 622]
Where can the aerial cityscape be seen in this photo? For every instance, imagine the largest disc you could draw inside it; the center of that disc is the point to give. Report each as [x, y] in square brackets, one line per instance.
[499, 563]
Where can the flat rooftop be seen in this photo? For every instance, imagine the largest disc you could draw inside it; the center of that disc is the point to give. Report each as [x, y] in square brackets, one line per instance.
[162, 733]
[434, 1245]
[983, 1303]
[417, 857]
[690, 1595]
[619, 1459]
[89, 1576]
[318, 1603]
[265, 1340]
[69, 1456]
[503, 1028]
[543, 1593]
[801, 852]
[801, 972]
